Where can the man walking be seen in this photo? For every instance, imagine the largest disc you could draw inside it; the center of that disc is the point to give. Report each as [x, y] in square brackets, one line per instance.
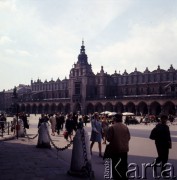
[162, 137]
[118, 135]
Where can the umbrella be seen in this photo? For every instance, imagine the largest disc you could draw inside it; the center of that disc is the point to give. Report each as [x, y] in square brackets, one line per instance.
[105, 112]
[112, 113]
[128, 114]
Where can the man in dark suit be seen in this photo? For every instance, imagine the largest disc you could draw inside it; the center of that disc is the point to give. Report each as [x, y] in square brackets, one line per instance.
[162, 137]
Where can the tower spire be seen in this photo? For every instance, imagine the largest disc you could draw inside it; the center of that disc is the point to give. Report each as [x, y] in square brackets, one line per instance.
[82, 58]
[82, 51]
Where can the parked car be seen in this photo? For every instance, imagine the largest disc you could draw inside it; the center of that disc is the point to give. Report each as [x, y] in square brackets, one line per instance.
[131, 120]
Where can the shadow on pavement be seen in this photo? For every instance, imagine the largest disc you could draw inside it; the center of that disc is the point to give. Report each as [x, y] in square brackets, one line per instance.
[22, 160]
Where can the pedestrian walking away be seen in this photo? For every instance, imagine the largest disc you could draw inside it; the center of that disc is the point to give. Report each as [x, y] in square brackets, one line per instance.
[58, 123]
[161, 134]
[119, 136]
[69, 126]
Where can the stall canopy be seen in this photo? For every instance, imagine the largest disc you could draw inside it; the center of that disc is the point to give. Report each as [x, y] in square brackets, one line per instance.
[128, 114]
[112, 113]
[105, 112]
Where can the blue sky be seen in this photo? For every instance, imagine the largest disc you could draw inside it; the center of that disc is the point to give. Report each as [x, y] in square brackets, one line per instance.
[42, 38]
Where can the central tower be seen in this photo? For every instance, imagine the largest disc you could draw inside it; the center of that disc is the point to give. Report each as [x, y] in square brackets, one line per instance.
[81, 79]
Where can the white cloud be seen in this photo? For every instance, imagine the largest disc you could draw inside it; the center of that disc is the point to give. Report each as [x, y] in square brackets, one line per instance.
[9, 51]
[5, 40]
[23, 53]
[146, 47]
[8, 5]
[43, 39]
[81, 18]
[14, 52]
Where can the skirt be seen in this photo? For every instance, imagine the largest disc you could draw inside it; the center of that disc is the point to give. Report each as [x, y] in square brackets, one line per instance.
[95, 137]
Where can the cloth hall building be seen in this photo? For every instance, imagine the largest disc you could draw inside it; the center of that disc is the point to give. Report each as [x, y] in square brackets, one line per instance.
[148, 92]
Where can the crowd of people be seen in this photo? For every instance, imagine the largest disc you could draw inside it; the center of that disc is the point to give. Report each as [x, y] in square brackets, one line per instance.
[118, 136]
[22, 119]
[19, 119]
[114, 134]
[71, 122]
[58, 121]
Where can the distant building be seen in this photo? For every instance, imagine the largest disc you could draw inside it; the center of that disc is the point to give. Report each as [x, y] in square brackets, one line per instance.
[2, 101]
[6, 100]
[148, 92]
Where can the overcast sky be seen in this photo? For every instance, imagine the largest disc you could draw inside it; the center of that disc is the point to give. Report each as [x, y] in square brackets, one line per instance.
[42, 38]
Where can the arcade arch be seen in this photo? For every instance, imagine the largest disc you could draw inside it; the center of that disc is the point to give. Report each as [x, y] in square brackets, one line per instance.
[99, 107]
[67, 108]
[119, 107]
[90, 109]
[169, 108]
[130, 107]
[46, 108]
[142, 108]
[34, 109]
[22, 108]
[40, 109]
[53, 108]
[155, 108]
[60, 108]
[28, 109]
[108, 107]
[77, 108]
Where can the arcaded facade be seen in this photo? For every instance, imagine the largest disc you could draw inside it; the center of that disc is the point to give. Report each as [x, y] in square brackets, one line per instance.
[148, 92]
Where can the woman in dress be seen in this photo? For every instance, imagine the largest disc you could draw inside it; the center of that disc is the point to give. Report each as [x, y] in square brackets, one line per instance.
[96, 134]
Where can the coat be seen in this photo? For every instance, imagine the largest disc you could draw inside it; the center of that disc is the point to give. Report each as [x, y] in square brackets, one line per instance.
[161, 135]
[118, 135]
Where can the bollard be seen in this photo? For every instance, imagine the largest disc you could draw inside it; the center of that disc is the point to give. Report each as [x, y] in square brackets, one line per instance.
[81, 157]
[43, 138]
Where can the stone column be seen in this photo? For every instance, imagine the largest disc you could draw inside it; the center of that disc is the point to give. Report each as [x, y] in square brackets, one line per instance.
[136, 110]
[148, 107]
[176, 110]
[124, 106]
[162, 110]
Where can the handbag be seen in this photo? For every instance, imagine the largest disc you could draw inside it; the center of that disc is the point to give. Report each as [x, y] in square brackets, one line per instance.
[153, 134]
[17, 127]
[65, 134]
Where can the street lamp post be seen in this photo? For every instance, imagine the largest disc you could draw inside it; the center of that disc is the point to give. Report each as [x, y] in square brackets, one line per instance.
[17, 128]
[15, 102]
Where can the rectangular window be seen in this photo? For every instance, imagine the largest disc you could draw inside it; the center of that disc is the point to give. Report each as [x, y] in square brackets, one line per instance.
[77, 88]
